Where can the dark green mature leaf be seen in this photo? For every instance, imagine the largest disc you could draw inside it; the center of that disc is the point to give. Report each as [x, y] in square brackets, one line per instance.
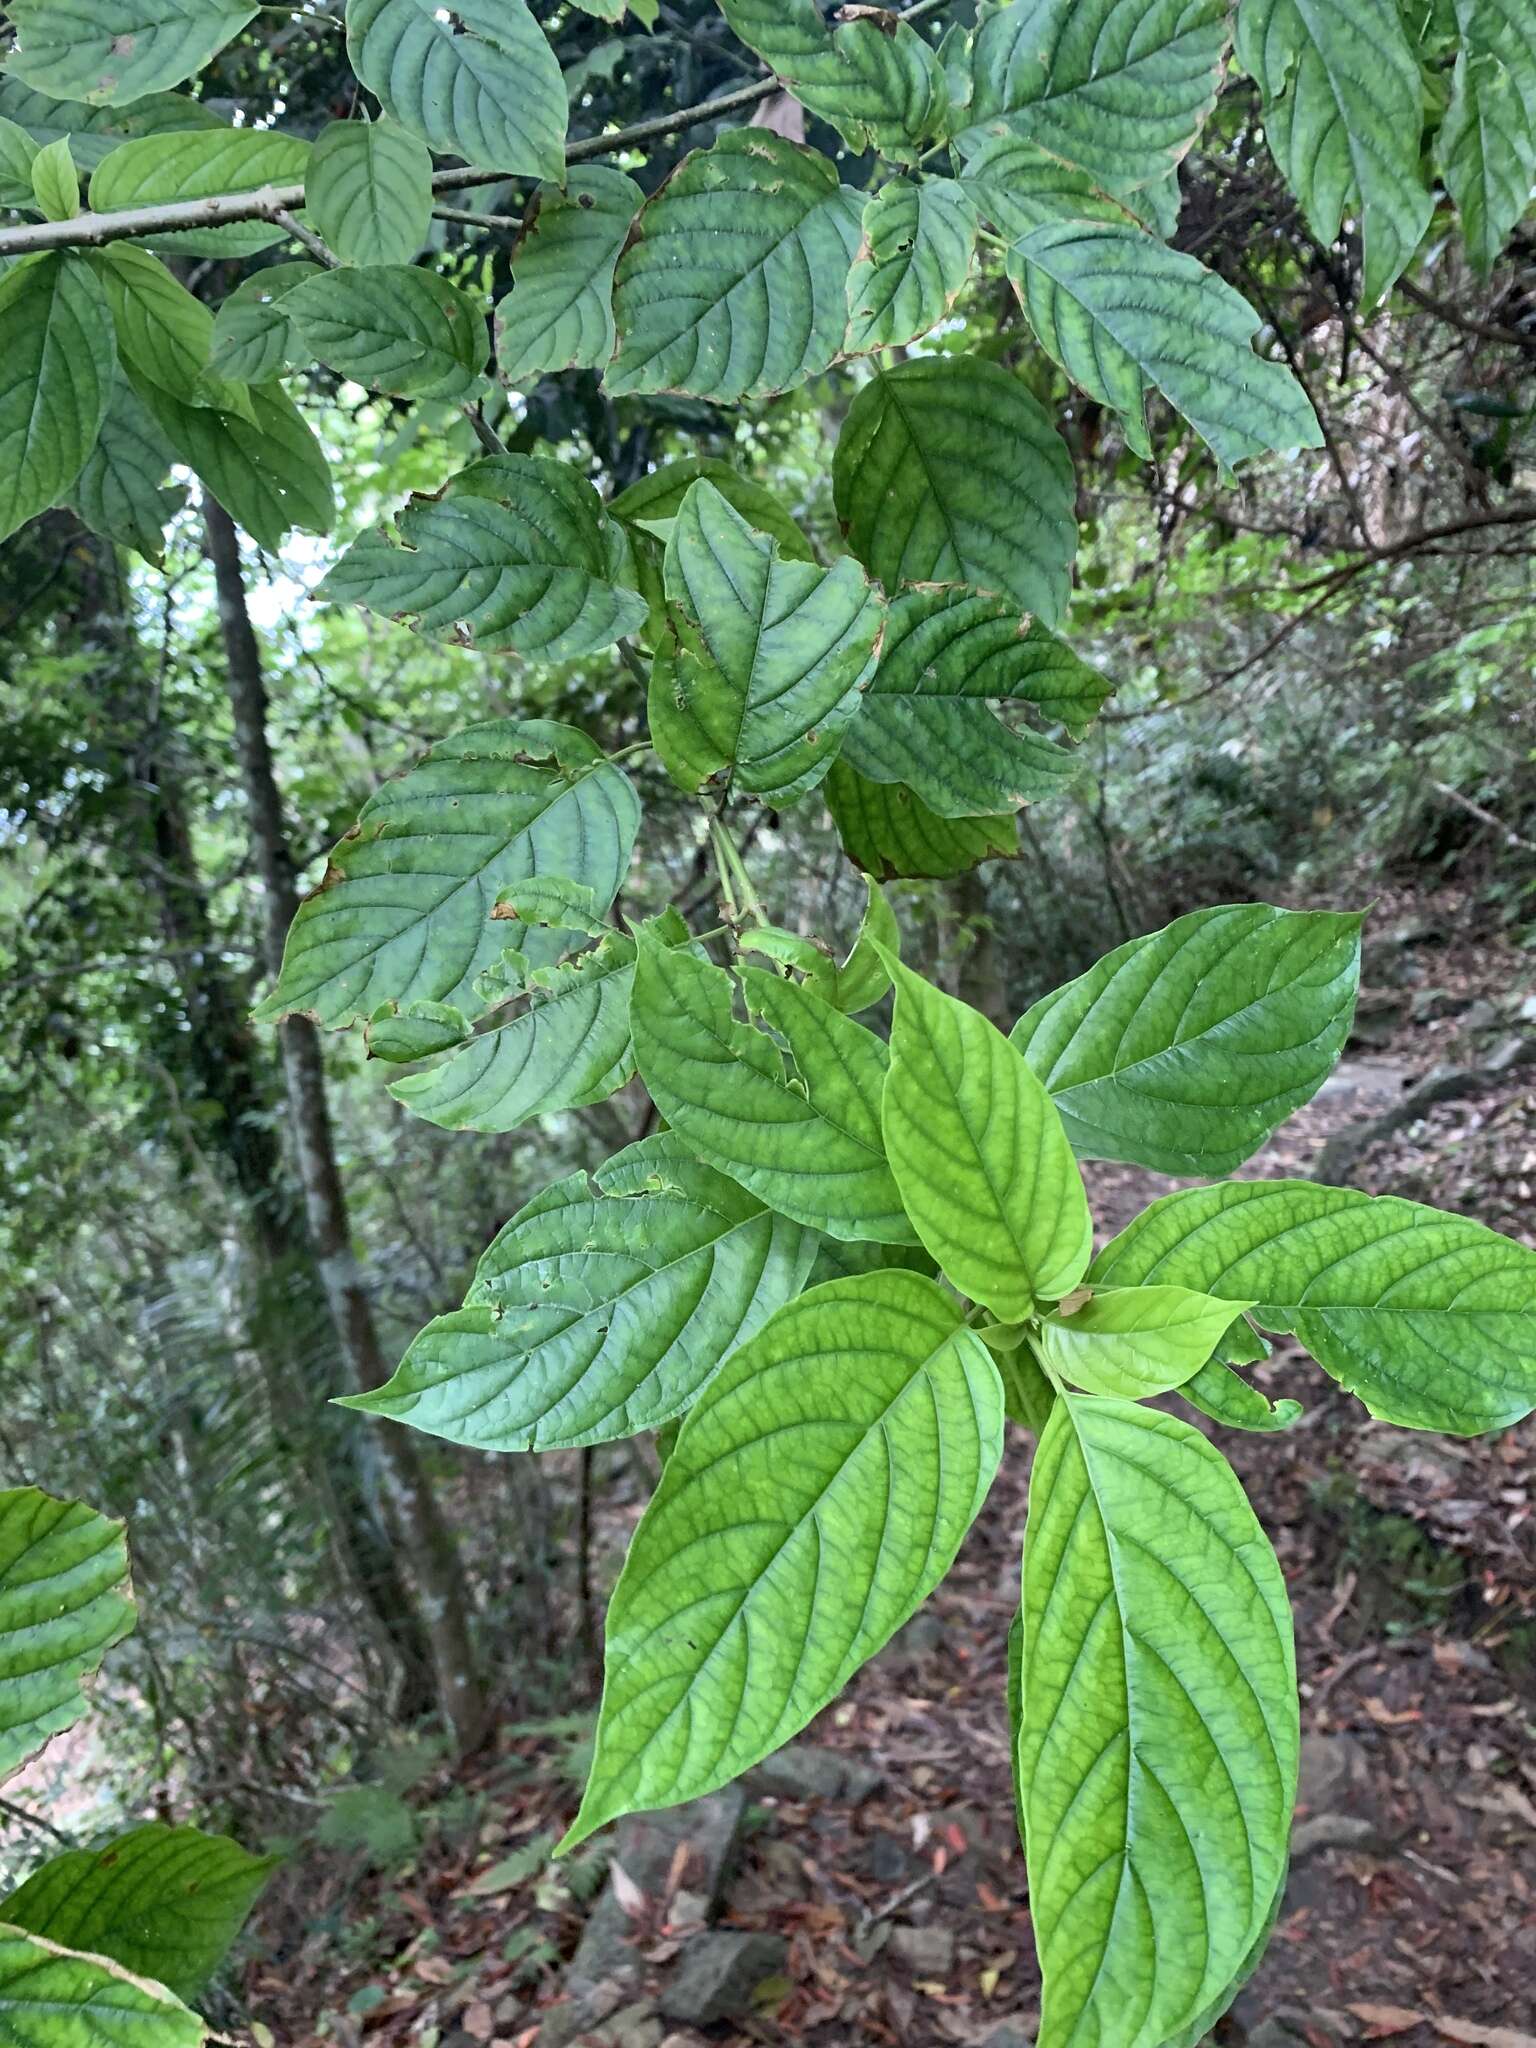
[817, 1493]
[163, 332]
[559, 312]
[734, 281]
[914, 258]
[1216, 1390]
[1018, 186]
[121, 493]
[393, 327]
[873, 77]
[806, 1143]
[52, 1997]
[980, 1157]
[96, 131]
[369, 191]
[653, 501]
[64, 1601]
[889, 831]
[57, 366]
[1119, 311]
[1343, 113]
[165, 1902]
[270, 476]
[1486, 146]
[1134, 1341]
[947, 470]
[771, 654]
[514, 552]
[197, 164]
[253, 337]
[1159, 1735]
[404, 912]
[601, 1309]
[1429, 1318]
[1184, 1050]
[109, 52]
[478, 81]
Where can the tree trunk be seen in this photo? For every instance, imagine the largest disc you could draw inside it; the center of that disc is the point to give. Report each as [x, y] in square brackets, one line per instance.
[427, 1540]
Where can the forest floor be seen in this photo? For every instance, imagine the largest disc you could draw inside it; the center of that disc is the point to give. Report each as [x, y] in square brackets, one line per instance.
[893, 1910]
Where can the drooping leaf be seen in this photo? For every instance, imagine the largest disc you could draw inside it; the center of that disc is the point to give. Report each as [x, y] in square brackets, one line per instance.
[864, 977]
[64, 1601]
[734, 281]
[889, 831]
[57, 366]
[559, 312]
[947, 470]
[56, 181]
[394, 328]
[1159, 1732]
[95, 131]
[914, 258]
[198, 164]
[1120, 311]
[108, 52]
[270, 476]
[1216, 1390]
[806, 1143]
[165, 1902]
[771, 654]
[121, 493]
[513, 553]
[1429, 1318]
[601, 1309]
[1018, 186]
[817, 1493]
[369, 191]
[253, 337]
[478, 82]
[415, 1031]
[980, 1157]
[872, 76]
[1343, 113]
[1028, 1395]
[163, 332]
[1486, 146]
[404, 912]
[1184, 1050]
[1135, 1341]
[52, 1997]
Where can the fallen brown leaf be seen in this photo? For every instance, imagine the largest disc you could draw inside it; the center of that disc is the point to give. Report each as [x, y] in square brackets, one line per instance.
[1479, 2036]
[1385, 2020]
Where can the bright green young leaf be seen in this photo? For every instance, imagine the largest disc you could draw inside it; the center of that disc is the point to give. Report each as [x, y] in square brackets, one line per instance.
[253, 337]
[197, 164]
[771, 654]
[1429, 1318]
[808, 1142]
[165, 1902]
[121, 493]
[947, 470]
[817, 1494]
[52, 1997]
[875, 79]
[559, 312]
[94, 132]
[270, 477]
[404, 912]
[477, 81]
[1159, 1732]
[889, 831]
[1120, 311]
[601, 1309]
[18, 153]
[394, 328]
[1028, 1395]
[1184, 1050]
[369, 191]
[112, 51]
[56, 182]
[163, 332]
[64, 1601]
[914, 258]
[1017, 186]
[57, 366]
[1486, 146]
[1343, 114]
[980, 1158]
[863, 977]
[513, 553]
[1216, 1390]
[1135, 1341]
[734, 282]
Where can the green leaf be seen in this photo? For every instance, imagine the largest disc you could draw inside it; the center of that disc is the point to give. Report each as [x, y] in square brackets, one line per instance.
[1120, 88]
[393, 328]
[947, 470]
[1216, 1390]
[1185, 1050]
[415, 1032]
[1028, 1395]
[980, 1158]
[1486, 147]
[734, 281]
[771, 655]
[914, 258]
[1135, 1341]
[51, 1997]
[404, 912]
[1159, 1732]
[121, 492]
[271, 476]
[818, 1492]
[601, 1309]
[253, 337]
[559, 312]
[889, 832]
[64, 1601]
[165, 1902]
[873, 77]
[653, 501]
[513, 553]
[369, 191]
[479, 82]
[56, 182]
[96, 131]
[1019, 187]
[1343, 113]
[112, 51]
[863, 977]
[57, 366]
[807, 1143]
[1429, 1318]
[198, 164]
[927, 718]
[1119, 311]
[18, 153]
[163, 332]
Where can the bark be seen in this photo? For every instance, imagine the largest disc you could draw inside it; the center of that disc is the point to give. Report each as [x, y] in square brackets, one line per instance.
[427, 1541]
